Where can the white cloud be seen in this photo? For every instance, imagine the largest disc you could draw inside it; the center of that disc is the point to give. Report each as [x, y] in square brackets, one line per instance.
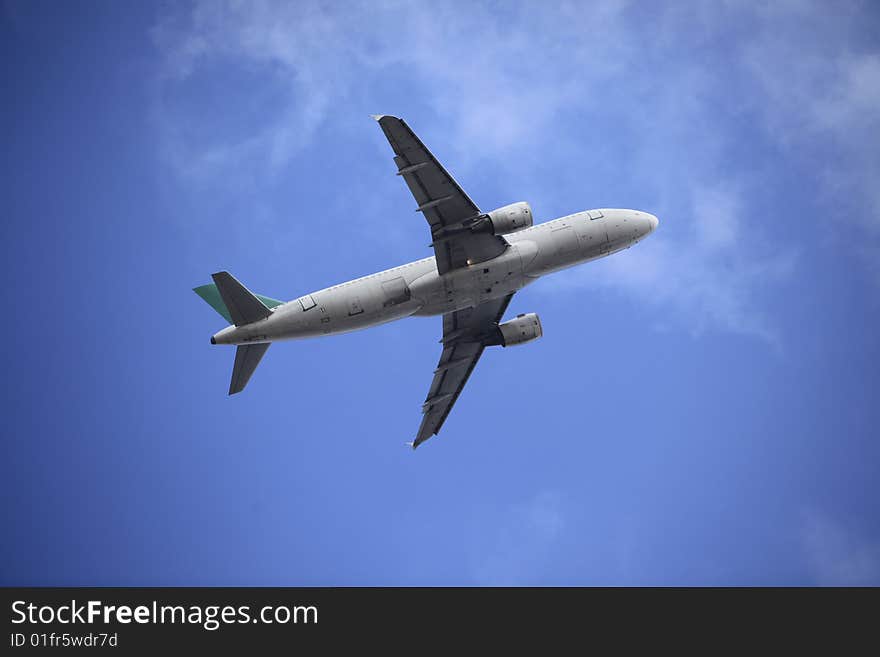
[497, 82]
[819, 93]
[704, 278]
[717, 213]
[836, 556]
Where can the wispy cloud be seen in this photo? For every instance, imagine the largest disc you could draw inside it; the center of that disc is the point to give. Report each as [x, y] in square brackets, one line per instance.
[817, 80]
[516, 85]
[837, 556]
[517, 552]
[717, 216]
[497, 79]
[701, 279]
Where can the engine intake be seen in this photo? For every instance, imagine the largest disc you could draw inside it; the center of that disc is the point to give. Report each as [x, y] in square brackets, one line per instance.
[509, 219]
[523, 328]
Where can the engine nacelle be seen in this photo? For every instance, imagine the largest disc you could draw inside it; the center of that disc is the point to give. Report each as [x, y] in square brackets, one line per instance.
[521, 329]
[508, 219]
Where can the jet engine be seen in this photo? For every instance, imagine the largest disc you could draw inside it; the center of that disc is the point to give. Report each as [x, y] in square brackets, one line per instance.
[523, 328]
[508, 219]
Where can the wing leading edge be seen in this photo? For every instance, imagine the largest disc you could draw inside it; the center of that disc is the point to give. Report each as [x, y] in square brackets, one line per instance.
[463, 343]
[444, 204]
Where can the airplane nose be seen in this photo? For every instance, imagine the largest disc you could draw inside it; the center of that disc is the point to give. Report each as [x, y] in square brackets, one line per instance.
[654, 221]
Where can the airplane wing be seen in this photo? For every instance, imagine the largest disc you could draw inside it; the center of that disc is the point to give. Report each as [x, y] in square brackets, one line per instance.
[440, 199]
[462, 348]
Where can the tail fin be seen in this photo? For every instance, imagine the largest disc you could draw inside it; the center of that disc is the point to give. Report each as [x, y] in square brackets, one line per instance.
[247, 357]
[212, 295]
[243, 306]
[239, 306]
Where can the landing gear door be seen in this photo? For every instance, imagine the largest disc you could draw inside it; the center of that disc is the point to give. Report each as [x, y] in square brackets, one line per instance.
[395, 291]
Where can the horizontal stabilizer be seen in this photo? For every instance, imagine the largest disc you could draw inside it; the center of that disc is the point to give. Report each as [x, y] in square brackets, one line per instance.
[243, 306]
[247, 357]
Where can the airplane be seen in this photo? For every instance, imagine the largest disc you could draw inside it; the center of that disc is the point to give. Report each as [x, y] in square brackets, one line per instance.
[480, 260]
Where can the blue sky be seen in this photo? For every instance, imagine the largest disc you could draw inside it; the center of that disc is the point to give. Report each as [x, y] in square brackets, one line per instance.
[702, 408]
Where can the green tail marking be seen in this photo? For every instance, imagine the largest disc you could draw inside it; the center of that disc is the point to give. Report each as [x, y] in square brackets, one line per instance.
[211, 294]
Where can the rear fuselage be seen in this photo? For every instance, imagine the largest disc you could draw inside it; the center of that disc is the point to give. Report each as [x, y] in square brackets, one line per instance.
[416, 288]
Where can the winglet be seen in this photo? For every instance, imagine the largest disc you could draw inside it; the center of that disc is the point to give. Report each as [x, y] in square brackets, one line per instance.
[411, 444]
[377, 117]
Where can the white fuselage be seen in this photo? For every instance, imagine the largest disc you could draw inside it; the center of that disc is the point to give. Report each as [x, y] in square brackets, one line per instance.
[417, 289]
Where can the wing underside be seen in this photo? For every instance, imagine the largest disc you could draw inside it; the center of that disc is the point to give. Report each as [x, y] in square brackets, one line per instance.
[443, 202]
[463, 333]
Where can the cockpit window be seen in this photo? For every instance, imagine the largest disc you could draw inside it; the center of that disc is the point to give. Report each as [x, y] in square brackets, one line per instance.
[595, 214]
